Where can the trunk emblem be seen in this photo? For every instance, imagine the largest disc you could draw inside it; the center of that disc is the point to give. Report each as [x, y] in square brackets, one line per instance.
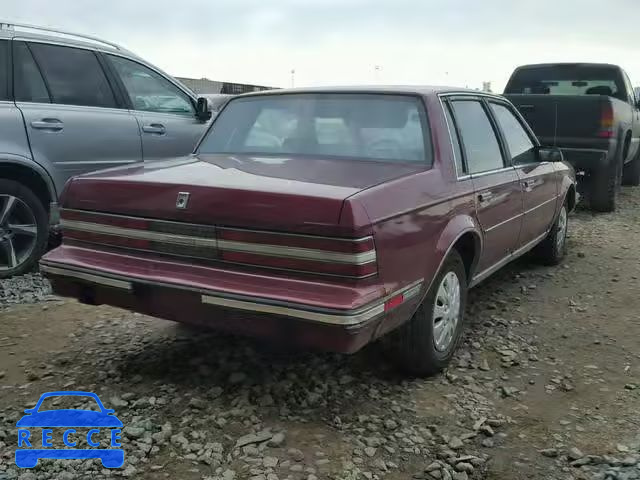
[182, 200]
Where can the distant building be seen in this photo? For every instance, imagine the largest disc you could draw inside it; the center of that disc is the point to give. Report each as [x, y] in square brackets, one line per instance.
[486, 87]
[205, 86]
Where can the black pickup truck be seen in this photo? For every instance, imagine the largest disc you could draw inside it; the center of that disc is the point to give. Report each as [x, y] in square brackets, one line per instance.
[591, 112]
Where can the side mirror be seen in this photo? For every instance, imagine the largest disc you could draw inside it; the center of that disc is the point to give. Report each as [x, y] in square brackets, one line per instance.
[550, 154]
[202, 109]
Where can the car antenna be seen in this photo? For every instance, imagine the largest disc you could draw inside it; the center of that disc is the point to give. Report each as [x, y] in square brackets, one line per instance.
[555, 124]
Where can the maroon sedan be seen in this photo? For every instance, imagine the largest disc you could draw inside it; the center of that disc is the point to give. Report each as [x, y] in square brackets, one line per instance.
[324, 218]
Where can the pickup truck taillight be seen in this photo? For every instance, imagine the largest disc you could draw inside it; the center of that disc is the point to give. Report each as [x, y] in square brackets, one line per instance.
[606, 122]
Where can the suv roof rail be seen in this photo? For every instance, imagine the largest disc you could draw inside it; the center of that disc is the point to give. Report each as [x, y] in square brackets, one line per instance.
[8, 25]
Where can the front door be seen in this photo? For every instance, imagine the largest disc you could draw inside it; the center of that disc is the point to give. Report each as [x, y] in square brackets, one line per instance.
[166, 115]
[496, 184]
[539, 180]
[71, 114]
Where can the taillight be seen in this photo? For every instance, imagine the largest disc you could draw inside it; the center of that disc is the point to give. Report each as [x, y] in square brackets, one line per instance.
[341, 257]
[606, 121]
[354, 258]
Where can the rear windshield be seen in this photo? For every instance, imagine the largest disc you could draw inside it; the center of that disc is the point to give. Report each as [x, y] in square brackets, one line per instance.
[379, 127]
[567, 80]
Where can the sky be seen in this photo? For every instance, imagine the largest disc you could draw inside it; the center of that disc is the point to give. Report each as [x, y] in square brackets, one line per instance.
[346, 42]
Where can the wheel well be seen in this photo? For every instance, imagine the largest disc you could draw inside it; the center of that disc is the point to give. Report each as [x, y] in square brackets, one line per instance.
[571, 198]
[627, 145]
[467, 246]
[30, 179]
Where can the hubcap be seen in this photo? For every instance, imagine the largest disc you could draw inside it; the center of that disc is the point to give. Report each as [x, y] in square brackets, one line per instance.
[446, 312]
[18, 232]
[562, 229]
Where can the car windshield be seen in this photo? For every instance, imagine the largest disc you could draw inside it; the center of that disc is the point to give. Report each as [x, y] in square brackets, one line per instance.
[64, 402]
[566, 80]
[350, 126]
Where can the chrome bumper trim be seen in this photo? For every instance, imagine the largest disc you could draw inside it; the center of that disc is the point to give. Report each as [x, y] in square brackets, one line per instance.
[88, 277]
[254, 304]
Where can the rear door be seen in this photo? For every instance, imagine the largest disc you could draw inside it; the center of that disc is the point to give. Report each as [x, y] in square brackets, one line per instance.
[73, 118]
[635, 112]
[496, 184]
[539, 180]
[166, 114]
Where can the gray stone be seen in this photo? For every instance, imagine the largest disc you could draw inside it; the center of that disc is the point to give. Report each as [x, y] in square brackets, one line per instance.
[253, 438]
[277, 440]
[134, 432]
[296, 454]
[455, 443]
[549, 452]
[575, 454]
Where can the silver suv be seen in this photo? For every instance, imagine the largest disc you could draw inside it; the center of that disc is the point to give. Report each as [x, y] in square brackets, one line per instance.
[71, 104]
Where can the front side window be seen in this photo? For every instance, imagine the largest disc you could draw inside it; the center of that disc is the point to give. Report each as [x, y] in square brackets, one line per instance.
[28, 84]
[73, 76]
[149, 91]
[4, 69]
[355, 126]
[521, 147]
[482, 150]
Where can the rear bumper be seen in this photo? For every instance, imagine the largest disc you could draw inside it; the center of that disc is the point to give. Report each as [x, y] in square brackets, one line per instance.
[586, 159]
[295, 322]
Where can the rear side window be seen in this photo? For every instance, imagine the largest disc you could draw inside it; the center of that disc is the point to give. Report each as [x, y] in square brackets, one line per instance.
[73, 75]
[4, 70]
[482, 150]
[567, 80]
[520, 145]
[28, 85]
[455, 139]
[378, 127]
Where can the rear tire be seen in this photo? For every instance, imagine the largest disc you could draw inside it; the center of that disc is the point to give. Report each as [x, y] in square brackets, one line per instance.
[424, 345]
[631, 172]
[553, 248]
[24, 229]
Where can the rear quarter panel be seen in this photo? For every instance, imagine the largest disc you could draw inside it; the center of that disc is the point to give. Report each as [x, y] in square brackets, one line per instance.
[418, 218]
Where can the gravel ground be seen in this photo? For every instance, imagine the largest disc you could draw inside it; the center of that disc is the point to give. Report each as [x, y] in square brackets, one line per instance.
[545, 386]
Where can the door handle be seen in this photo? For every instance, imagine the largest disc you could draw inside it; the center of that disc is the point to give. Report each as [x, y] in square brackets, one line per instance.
[157, 128]
[485, 197]
[48, 124]
[527, 185]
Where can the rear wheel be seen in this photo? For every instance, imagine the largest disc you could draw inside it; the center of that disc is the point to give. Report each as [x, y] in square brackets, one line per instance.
[425, 344]
[24, 229]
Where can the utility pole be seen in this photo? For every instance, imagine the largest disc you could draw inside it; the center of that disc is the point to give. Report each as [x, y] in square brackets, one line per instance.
[293, 77]
[376, 72]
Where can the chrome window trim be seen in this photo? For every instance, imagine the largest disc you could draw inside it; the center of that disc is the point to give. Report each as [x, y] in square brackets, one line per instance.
[455, 157]
[256, 304]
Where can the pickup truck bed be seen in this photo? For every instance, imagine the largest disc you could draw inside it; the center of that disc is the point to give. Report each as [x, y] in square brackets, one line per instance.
[590, 112]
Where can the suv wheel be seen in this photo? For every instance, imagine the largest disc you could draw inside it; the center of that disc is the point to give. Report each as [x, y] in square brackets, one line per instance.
[425, 344]
[23, 229]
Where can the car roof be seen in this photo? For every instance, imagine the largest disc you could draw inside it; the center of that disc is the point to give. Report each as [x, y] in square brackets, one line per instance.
[23, 31]
[567, 64]
[425, 90]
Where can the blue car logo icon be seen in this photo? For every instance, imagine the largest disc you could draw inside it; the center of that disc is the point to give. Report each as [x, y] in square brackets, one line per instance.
[68, 419]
